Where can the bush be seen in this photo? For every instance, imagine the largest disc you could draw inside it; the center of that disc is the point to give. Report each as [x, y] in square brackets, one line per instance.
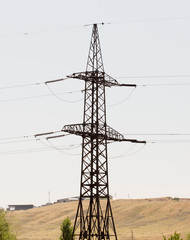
[188, 236]
[176, 199]
[66, 230]
[176, 236]
[5, 231]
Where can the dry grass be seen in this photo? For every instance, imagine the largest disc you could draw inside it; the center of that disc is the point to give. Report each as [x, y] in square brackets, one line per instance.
[149, 219]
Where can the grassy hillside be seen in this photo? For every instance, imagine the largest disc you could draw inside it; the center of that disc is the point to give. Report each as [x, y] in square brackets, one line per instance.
[149, 219]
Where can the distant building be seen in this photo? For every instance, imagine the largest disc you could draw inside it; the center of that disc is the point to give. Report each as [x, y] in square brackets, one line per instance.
[71, 199]
[19, 207]
[47, 204]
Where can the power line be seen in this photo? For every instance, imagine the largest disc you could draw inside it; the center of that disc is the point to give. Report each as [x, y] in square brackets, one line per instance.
[56, 80]
[50, 135]
[78, 100]
[157, 76]
[43, 136]
[41, 96]
[34, 150]
[18, 141]
[127, 155]
[60, 150]
[10, 138]
[40, 31]
[118, 156]
[157, 134]
[27, 33]
[45, 95]
[21, 151]
[61, 99]
[35, 136]
[22, 85]
[115, 104]
[163, 84]
[73, 146]
[127, 77]
[34, 84]
[150, 20]
[168, 141]
[147, 142]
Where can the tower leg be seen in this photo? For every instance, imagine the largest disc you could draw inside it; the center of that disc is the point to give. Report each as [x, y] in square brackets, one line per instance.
[97, 224]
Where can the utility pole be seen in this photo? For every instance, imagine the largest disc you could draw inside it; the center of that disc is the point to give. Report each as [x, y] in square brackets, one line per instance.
[49, 197]
[96, 222]
[132, 238]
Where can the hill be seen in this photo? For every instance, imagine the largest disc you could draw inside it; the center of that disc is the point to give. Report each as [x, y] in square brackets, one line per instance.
[148, 218]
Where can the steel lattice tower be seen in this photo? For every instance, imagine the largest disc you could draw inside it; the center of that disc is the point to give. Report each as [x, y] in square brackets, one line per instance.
[96, 222]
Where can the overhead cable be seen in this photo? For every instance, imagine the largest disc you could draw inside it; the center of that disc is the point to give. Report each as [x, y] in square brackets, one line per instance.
[22, 85]
[168, 141]
[27, 33]
[157, 76]
[39, 31]
[34, 150]
[163, 84]
[34, 84]
[61, 99]
[150, 20]
[29, 137]
[124, 154]
[127, 77]
[157, 134]
[115, 104]
[42, 96]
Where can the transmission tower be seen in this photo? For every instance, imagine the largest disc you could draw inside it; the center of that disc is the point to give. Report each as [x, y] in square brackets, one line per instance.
[96, 222]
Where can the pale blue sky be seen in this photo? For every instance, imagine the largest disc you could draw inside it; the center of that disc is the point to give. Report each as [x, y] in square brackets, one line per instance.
[145, 38]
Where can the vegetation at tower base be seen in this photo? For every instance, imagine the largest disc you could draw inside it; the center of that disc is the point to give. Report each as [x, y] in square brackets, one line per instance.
[5, 228]
[150, 219]
[176, 236]
[188, 236]
[66, 230]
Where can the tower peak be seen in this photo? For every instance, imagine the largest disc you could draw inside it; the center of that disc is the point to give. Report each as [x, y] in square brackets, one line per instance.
[95, 61]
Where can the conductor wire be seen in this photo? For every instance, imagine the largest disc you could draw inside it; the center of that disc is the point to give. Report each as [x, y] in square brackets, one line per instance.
[58, 149]
[112, 105]
[61, 99]
[118, 156]
[123, 155]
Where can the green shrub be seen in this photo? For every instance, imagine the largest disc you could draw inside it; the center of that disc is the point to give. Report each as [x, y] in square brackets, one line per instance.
[176, 236]
[5, 231]
[66, 230]
[176, 199]
[188, 236]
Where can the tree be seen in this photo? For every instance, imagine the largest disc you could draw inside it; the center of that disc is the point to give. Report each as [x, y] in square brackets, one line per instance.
[176, 236]
[66, 230]
[5, 231]
[188, 236]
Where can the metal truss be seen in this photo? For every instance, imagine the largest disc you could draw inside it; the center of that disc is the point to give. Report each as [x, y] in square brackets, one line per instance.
[104, 132]
[96, 222]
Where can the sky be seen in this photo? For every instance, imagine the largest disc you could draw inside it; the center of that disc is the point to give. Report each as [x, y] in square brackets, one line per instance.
[143, 42]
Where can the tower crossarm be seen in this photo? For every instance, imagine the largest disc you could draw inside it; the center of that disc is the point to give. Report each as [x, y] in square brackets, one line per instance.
[102, 77]
[89, 130]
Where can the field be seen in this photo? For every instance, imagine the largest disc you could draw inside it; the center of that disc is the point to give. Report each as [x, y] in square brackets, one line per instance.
[149, 219]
